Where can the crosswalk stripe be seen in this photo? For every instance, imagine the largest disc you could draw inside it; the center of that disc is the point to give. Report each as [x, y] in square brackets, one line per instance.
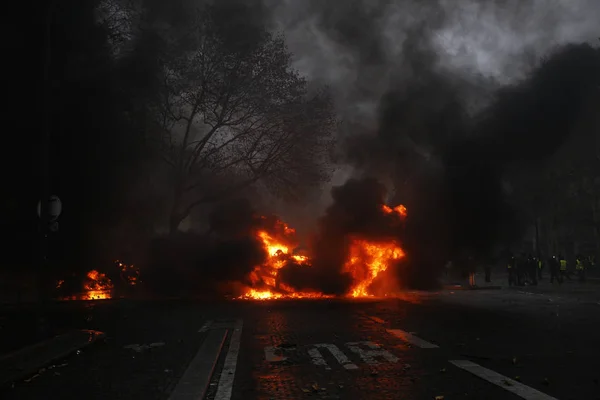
[521, 390]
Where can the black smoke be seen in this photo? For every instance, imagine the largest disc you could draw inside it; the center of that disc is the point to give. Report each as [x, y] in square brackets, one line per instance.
[449, 165]
[356, 213]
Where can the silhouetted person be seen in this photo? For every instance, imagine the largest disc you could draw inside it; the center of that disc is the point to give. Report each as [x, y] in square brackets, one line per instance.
[532, 270]
[553, 264]
[488, 272]
[540, 267]
[580, 268]
[471, 266]
[521, 269]
[554, 269]
[511, 267]
[562, 268]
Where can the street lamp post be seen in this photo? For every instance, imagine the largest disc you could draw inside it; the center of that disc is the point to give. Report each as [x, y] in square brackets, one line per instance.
[45, 151]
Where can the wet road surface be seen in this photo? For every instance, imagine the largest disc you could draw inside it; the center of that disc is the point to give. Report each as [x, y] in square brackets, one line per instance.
[494, 344]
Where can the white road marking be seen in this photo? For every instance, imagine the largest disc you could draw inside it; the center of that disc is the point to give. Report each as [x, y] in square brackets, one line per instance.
[412, 339]
[369, 356]
[196, 378]
[270, 355]
[376, 319]
[497, 379]
[317, 358]
[206, 326]
[335, 351]
[225, 385]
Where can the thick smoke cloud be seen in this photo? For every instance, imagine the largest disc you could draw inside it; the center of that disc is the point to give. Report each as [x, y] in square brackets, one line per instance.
[462, 209]
[439, 101]
[356, 213]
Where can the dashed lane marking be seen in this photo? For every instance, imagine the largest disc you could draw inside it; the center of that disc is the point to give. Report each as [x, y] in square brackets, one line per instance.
[317, 358]
[412, 339]
[339, 355]
[376, 319]
[370, 353]
[374, 350]
[225, 385]
[206, 326]
[523, 391]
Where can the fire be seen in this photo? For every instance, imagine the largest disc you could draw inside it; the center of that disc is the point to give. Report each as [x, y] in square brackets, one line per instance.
[399, 210]
[129, 273]
[97, 286]
[279, 248]
[366, 260]
[271, 295]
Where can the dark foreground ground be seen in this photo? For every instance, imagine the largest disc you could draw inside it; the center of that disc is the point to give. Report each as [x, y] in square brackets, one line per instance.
[540, 343]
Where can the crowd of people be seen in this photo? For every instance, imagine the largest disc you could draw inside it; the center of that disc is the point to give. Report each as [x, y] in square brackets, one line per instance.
[527, 269]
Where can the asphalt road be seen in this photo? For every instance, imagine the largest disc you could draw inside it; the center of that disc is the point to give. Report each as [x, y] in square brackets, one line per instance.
[487, 344]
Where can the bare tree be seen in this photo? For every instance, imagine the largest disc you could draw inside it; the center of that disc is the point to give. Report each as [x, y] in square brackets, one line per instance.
[233, 112]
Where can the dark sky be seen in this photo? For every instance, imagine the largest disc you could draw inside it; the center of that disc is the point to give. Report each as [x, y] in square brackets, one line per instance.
[356, 46]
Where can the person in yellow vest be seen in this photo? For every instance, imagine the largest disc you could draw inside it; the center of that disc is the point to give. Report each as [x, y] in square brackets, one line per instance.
[580, 268]
[540, 266]
[562, 265]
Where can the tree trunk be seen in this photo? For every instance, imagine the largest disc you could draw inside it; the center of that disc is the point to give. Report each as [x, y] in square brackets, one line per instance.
[174, 221]
[175, 217]
[537, 238]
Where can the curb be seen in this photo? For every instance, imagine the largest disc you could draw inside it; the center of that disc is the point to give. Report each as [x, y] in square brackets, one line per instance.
[461, 287]
[22, 363]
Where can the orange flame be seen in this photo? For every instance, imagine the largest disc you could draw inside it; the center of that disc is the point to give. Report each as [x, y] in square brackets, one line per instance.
[97, 286]
[399, 209]
[366, 260]
[129, 273]
[278, 246]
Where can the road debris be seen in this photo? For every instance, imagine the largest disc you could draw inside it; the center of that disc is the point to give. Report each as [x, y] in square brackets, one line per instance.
[141, 347]
[31, 378]
[546, 381]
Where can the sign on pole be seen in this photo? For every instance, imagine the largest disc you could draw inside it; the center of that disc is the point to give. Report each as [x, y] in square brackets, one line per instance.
[54, 208]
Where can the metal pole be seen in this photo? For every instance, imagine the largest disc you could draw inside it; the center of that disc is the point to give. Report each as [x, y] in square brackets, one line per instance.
[45, 152]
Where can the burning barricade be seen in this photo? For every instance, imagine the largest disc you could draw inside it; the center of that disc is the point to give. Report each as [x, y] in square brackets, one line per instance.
[364, 260]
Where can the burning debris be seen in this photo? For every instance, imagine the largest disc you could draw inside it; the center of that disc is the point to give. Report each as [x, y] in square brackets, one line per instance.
[367, 260]
[129, 273]
[97, 286]
[358, 242]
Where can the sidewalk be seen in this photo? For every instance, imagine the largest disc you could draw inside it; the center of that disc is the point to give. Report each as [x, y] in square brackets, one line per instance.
[29, 360]
[589, 290]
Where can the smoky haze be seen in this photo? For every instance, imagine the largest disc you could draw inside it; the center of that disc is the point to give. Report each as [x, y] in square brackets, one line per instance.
[438, 100]
[359, 49]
